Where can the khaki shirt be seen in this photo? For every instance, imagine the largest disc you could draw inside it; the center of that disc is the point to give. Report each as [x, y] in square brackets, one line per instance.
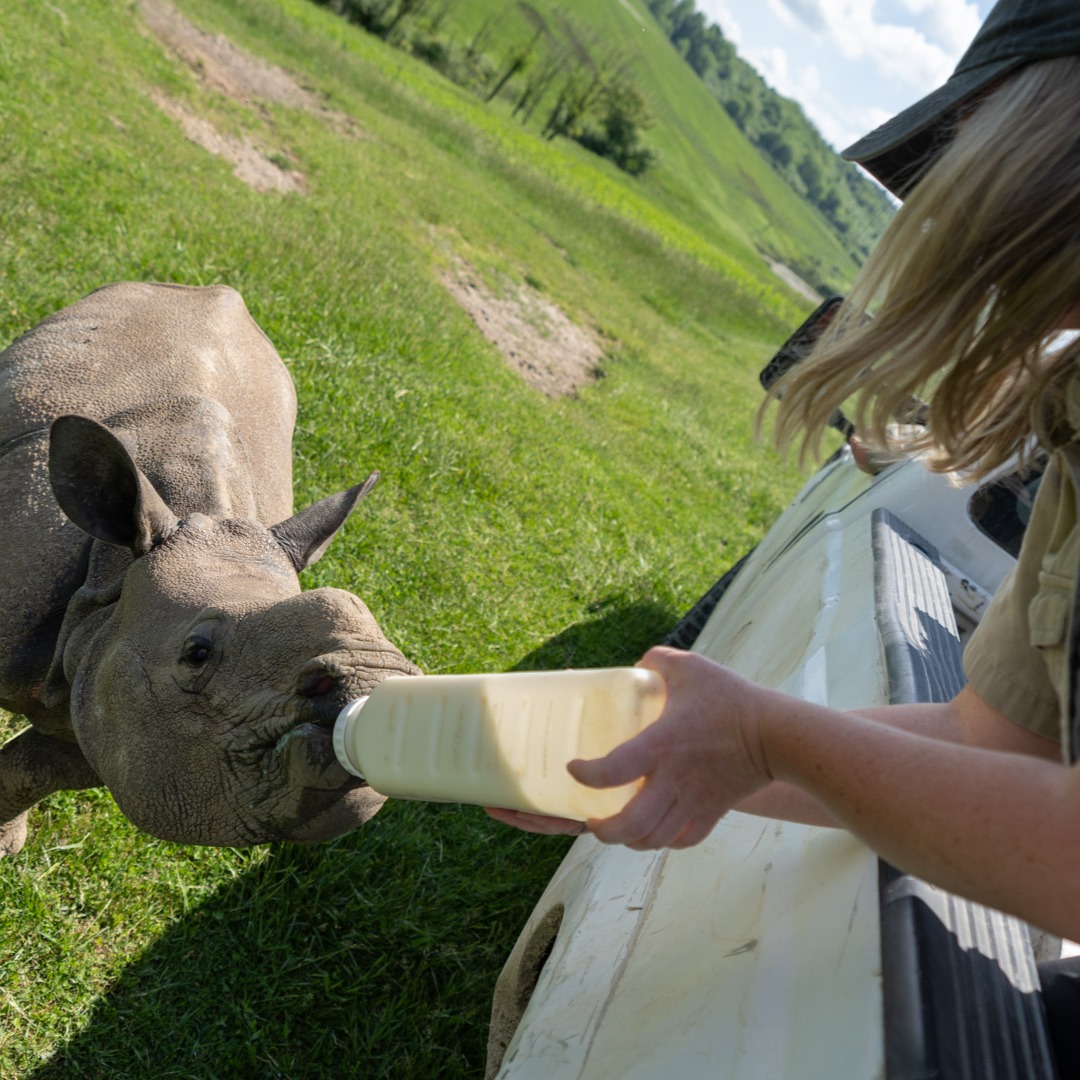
[1017, 659]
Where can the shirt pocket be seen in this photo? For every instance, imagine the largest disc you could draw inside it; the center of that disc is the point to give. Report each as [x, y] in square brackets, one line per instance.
[1048, 612]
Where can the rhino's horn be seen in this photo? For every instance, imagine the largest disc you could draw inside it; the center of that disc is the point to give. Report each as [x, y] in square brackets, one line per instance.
[101, 489]
[306, 535]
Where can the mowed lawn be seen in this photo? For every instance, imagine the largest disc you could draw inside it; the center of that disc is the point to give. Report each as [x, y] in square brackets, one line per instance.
[510, 529]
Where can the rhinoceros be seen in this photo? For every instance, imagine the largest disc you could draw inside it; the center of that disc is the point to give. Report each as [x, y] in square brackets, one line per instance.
[153, 630]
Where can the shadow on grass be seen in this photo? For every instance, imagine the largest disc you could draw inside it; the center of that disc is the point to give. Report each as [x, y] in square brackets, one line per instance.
[618, 636]
[373, 955]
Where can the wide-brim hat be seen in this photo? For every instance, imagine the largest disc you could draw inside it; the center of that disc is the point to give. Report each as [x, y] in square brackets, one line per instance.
[1015, 33]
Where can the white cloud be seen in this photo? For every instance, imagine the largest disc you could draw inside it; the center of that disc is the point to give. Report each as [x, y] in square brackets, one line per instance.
[772, 63]
[850, 64]
[811, 13]
[901, 52]
[841, 123]
[951, 23]
[871, 117]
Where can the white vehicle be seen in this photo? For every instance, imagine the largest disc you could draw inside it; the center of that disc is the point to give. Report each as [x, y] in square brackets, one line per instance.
[775, 950]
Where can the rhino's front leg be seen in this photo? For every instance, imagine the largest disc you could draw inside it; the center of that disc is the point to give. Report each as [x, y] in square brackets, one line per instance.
[33, 765]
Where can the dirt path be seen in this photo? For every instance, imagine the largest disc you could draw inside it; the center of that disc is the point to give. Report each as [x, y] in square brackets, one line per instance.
[535, 337]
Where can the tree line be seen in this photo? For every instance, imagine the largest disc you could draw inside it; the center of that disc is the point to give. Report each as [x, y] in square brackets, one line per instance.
[558, 75]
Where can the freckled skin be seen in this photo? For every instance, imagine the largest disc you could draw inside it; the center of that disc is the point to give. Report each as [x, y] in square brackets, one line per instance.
[153, 630]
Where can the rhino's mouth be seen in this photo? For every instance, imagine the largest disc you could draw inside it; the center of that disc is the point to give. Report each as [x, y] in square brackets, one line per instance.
[320, 762]
[304, 753]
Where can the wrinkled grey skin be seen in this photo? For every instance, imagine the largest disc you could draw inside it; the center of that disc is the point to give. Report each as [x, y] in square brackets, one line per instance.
[152, 627]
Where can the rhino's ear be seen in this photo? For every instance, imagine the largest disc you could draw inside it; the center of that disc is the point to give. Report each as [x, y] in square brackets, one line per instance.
[305, 536]
[101, 489]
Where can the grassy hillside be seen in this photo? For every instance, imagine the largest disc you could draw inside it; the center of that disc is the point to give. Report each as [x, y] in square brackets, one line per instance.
[707, 172]
[510, 529]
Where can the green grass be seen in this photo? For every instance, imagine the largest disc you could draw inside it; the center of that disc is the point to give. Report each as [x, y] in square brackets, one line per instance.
[509, 530]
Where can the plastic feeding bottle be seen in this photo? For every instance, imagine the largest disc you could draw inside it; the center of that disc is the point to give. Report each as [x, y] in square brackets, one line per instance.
[498, 740]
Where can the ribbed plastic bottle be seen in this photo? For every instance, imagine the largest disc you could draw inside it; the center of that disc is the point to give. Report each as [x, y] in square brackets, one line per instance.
[498, 740]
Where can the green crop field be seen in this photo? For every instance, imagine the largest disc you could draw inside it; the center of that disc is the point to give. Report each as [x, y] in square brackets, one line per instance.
[510, 529]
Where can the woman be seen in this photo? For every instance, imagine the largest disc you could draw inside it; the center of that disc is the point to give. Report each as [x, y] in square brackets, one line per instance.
[973, 280]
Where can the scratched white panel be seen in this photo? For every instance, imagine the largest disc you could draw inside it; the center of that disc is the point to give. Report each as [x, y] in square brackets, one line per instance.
[807, 625]
[756, 955]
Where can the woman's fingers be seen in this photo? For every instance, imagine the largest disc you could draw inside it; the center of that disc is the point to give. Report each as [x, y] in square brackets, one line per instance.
[626, 763]
[665, 832]
[694, 832]
[637, 819]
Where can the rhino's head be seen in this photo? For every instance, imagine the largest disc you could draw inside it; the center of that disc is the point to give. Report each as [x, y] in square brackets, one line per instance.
[204, 684]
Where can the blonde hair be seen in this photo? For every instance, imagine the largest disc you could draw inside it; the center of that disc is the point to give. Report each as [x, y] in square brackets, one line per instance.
[967, 288]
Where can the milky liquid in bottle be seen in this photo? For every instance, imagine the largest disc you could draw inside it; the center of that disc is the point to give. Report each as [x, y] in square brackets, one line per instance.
[498, 740]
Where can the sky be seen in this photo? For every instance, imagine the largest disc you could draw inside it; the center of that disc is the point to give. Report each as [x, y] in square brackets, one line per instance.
[850, 64]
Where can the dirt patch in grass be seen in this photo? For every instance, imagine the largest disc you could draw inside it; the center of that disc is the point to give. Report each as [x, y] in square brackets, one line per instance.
[536, 338]
[250, 163]
[221, 66]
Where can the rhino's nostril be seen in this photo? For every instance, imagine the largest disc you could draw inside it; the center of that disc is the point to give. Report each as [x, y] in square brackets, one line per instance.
[318, 685]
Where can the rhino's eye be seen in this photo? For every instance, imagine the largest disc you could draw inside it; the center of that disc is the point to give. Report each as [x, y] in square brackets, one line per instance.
[205, 646]
[197, 651]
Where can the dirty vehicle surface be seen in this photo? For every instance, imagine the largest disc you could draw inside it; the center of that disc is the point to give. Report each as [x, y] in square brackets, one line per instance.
[153, 630]
[779, 950]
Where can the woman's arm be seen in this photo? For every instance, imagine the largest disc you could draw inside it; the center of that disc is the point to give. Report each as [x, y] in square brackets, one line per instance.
[967, 720]
[1000, 827]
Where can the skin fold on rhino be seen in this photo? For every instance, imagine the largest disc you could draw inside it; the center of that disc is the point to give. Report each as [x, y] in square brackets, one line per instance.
[152, 627]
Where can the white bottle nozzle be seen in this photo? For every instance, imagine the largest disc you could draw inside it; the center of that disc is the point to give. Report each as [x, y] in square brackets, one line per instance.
[341, 751]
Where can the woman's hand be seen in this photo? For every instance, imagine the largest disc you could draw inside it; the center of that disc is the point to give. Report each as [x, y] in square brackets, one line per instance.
[699, 759]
